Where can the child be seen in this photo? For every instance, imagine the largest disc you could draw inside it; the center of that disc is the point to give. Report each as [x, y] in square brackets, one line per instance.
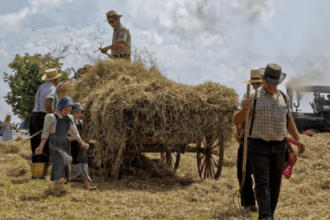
[7, 134]
[79, 162]
[56, 127]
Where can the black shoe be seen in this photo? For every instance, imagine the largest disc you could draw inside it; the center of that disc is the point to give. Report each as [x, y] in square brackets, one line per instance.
[42, 178]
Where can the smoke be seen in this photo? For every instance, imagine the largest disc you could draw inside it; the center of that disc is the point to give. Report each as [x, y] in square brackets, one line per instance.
[311, 70]
[219, 17]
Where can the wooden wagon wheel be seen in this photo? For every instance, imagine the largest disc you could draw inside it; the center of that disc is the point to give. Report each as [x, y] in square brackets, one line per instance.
[112, 170]
[210, 159]
[171, 159]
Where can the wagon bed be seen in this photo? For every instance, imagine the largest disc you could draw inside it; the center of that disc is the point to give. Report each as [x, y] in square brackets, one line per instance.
[209, 155]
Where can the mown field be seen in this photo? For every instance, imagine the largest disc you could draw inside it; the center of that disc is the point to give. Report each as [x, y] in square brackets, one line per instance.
[142, 194]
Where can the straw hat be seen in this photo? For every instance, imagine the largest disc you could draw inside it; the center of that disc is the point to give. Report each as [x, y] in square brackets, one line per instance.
[111, 14]
[255, 77]
[272, 73]
[51, 74]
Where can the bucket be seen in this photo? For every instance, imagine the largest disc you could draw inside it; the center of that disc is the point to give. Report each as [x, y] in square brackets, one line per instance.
[39, 169]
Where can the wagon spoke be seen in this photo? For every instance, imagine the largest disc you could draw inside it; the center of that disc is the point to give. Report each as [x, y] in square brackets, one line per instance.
[205, 169]
[215, 163]
[213, 169]
[202, 157]
[215, 151]
[218, 144]
[170, 159]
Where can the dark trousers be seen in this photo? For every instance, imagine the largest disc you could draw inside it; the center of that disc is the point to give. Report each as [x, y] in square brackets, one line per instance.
[36, 124]
[266, 161]
[247, 194]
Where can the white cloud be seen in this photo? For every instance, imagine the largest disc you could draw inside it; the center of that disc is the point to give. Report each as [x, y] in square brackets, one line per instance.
[12, 22]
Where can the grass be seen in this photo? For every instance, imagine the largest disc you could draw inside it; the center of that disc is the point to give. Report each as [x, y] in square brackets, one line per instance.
[182, 196]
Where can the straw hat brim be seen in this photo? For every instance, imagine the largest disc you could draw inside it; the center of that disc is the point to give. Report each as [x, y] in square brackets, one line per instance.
[118, 16]
[253, 81]
[44, 77]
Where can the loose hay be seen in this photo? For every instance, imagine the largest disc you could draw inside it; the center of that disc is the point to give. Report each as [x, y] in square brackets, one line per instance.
[125, 102]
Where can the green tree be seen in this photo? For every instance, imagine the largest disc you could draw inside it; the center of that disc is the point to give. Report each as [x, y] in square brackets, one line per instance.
[25, 81]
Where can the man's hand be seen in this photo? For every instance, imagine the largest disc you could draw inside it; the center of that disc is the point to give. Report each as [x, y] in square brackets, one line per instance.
[301, 147]
[86, 146]
[104, 50]
[237, 137]
[39, 150]
[246, 105]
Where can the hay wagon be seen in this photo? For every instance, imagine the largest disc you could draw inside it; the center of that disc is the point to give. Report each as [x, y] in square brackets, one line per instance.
[131, 109]
[209, 155]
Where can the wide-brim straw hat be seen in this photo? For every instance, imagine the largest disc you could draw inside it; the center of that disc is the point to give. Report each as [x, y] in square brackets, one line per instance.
[272, 73]
[51, 74]
[111, 14]
[255, 77]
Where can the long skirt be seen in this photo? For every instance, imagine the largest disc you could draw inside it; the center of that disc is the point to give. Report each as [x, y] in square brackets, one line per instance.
[60, 151]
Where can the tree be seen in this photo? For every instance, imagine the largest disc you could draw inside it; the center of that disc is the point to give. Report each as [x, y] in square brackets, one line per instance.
[26, 80]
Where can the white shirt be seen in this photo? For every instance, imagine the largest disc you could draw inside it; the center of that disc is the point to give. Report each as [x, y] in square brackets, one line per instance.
[45, 91]
[50, 126]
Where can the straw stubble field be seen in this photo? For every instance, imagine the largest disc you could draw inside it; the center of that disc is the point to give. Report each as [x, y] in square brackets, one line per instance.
[148, 194]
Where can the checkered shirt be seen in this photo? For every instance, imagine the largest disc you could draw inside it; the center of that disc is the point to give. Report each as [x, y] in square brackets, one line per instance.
[121, 33]
[270, 120]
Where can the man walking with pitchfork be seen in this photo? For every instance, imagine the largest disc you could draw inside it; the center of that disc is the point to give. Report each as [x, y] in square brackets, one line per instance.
[268, 124]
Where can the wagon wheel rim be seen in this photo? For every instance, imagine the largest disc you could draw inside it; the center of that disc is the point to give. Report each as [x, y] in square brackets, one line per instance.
[210, 160]
[112, 170]
[171, 159]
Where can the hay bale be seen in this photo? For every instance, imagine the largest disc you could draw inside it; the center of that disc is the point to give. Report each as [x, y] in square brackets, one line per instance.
[124, 102]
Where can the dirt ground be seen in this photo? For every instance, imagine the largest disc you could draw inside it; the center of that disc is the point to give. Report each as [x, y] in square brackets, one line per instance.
[180, 195]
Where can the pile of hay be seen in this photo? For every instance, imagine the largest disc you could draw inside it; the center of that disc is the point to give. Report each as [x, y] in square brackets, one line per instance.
[125, 102]
[13, 160]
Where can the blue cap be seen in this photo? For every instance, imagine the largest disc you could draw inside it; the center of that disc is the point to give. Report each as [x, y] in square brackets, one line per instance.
[77, 107]
[65, 102]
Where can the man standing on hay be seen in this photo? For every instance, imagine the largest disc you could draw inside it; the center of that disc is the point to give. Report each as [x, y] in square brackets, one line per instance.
[247, 194]
[45, 102]
[270, 120]
[121, 38]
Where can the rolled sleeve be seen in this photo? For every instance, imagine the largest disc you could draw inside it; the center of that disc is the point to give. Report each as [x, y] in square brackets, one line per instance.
[50, 93]
[122, 36]
[48, 124]
[73, 131]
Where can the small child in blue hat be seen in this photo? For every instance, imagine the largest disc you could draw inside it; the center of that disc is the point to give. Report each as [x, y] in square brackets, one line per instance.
[79, 156]
[56, 128]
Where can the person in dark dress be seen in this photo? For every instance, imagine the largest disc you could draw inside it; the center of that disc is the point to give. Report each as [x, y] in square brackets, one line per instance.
[56, 128]
[79, 155]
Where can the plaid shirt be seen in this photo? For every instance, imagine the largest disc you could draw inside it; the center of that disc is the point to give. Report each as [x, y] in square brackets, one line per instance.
[270, 120]
[121, 33]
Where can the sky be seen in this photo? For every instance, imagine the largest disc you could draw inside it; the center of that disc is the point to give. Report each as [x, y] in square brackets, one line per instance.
[193, 40]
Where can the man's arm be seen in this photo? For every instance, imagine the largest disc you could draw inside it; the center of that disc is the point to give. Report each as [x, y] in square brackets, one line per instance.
[48, 105]
[292, 129]
[239, 117]
[116, 46]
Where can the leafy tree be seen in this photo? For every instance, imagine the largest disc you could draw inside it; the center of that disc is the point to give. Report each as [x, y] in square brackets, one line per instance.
[26, 80]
